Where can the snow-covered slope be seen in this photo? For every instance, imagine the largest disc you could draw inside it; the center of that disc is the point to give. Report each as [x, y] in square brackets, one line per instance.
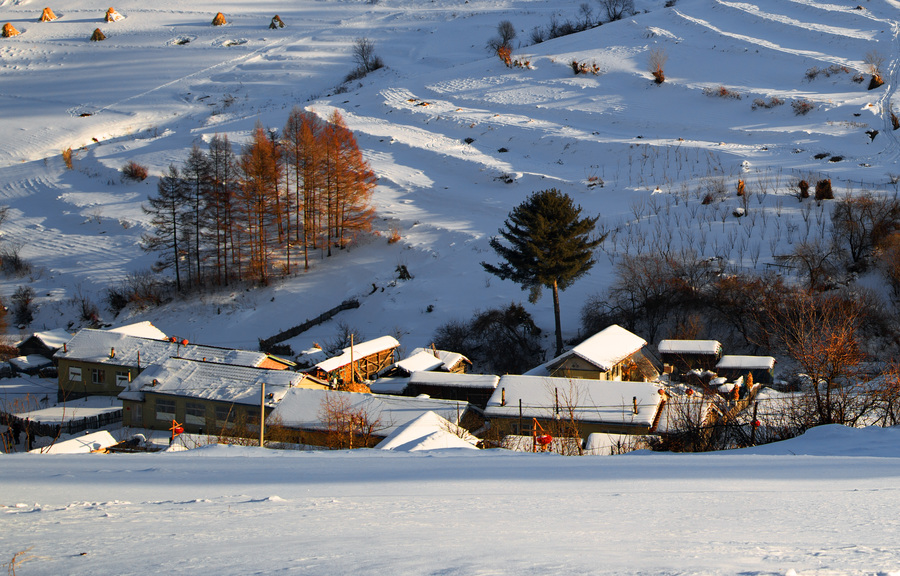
[231, 510]
[165, 78]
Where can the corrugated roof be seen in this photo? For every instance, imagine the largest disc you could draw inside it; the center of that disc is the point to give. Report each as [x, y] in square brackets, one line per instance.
[605, 401]
[450, 379]
[104, 347]
[711, 347]
[210, 381]
[746, 362]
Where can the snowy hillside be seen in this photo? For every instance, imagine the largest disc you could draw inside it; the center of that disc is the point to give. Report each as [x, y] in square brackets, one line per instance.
[455, 137]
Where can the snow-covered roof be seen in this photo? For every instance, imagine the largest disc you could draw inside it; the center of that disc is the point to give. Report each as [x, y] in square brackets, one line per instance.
[140, 330]
[51, 338]
[389, 385]
[74, 410]
[302, 408]
[210, 381]
[711, 347]
[310, 356]
[427, 432]
[746, 363]
[30, 362]
[605, 349]
[609, 402]
[420, 360]
[358, 351]
[97, 346]
[92, 442]
[450, 379]
[449, 359]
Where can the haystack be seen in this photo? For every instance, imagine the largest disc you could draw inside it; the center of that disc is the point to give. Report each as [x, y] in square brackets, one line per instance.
[112, 15]
[97, 35]
[9, 30]
[48, 15]
[219, 20]
[276, 23]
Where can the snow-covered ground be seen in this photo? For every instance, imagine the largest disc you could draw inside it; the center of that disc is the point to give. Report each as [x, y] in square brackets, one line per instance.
[823, 504]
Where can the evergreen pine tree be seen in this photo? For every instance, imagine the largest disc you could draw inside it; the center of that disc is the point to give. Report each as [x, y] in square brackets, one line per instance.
[549, 246]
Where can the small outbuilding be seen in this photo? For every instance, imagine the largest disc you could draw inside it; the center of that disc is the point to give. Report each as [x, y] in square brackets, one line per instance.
[733, 367]
[686, 355]
[358, 361]
[44, 343]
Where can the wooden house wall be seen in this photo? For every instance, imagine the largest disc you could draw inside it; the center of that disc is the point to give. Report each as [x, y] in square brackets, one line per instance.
[683, 362]
[513, 425]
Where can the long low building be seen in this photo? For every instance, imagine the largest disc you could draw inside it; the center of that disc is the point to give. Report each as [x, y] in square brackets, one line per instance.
[99, 362]
[206, 397]
[338, 419]
[591, 406]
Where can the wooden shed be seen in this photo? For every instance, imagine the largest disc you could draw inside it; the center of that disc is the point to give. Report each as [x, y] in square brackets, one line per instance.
[358, 361]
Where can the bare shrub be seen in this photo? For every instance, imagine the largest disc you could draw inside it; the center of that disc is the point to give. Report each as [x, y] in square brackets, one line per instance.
[67, 157]
[803, 186]
[722, 92]
[134, 171]
[862, 224]
[23, 305]
[12, 261]
[585, 68]
[394, 237]
[506, 33]
[617, 9]
[348, 427]
[366, 60]
[874, 63]
[656, 61]
[770, 103]
[801, 107]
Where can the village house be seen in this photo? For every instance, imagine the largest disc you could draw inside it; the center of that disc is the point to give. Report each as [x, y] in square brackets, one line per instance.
[427, 359]
[359, 361]
[43, 343]
[340, 419]
[733, 367]
[223, 399]
[476, 389]
[100, 362]
[561, 404]
[686, 355]
[614, 353]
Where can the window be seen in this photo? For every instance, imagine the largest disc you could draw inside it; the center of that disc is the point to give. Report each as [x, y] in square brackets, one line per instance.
[74, 374]
[122, 379]
[165, 409]
[224, 416]
[195, 413]
[98, 376]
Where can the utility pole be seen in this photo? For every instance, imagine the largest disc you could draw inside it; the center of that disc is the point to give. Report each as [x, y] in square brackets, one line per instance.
[262, 414]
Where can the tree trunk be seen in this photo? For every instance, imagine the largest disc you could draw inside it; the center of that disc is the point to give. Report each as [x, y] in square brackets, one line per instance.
[559, 340]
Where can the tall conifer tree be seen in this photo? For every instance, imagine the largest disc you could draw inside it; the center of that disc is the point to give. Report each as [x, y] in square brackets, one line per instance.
[550, 246]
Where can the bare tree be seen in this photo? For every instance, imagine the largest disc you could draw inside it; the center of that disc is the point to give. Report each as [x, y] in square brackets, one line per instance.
[656, 62]
[617, 9]
[364, 55]
[506, 33]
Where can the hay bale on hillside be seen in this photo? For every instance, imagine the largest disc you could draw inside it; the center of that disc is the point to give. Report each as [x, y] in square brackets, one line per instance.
[98, 35]
[276, 23]
[9, 30]
[112, 15]
[219, 20]
[47, 15]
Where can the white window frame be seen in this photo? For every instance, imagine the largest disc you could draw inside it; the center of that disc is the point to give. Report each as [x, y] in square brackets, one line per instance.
[74, 373]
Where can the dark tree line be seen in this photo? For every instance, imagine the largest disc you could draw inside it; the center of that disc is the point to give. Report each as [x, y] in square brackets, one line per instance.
[247, 215]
